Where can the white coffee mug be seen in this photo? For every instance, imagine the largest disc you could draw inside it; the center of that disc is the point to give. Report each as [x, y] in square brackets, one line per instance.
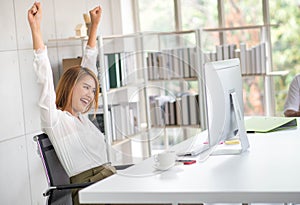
[164, 160]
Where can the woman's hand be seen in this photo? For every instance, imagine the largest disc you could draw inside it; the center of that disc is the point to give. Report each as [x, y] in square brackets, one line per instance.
[96, 15]
[95, 19]
[35, 17]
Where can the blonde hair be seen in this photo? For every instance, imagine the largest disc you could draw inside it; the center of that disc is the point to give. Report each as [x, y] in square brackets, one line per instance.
[68, 80]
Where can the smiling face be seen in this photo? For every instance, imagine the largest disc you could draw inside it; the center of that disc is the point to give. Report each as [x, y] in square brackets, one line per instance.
[76, 91]
[83, 95]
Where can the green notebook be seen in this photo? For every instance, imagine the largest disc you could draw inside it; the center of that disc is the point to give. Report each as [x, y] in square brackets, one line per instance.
[269, 124]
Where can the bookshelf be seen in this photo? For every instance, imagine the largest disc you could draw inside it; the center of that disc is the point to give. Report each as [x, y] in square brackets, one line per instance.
[155, 74]
[174, 84]
[121, 89]
[173, 65]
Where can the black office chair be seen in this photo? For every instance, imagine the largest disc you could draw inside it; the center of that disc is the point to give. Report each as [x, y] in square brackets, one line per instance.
[60, 189]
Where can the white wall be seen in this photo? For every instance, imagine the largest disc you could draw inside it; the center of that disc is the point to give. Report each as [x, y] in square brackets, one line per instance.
[22, 179]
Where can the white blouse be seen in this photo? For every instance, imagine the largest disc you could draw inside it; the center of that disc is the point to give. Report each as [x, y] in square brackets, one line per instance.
[293, 98]
[78, 143]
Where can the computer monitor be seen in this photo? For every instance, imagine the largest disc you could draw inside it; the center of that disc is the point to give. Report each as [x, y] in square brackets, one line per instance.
[224, 103]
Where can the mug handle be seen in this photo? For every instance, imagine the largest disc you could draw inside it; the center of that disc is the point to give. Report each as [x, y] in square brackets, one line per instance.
[156, 160]
[155, 157]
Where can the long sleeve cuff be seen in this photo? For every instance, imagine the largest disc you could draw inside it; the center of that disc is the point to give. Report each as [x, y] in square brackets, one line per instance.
[40, 53]
[91, 51]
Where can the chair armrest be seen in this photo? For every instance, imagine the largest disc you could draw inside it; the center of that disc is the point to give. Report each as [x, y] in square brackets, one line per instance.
[67, 186]
[79, 186]
[74, 186]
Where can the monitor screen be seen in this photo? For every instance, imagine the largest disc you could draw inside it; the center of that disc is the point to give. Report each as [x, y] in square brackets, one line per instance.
[224, 97]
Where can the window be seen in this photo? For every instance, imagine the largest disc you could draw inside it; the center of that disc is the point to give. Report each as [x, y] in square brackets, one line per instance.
[245, 13]
[285, 46]
[242, 12]
[156, 15]
[197, 14]
[235, 13]
[204, 14]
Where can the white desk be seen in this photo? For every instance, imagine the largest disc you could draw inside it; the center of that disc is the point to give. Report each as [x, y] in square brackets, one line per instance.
[268, 173]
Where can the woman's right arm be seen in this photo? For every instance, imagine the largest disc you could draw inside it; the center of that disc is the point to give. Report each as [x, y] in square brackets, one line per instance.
[41, 63]
[34, 19]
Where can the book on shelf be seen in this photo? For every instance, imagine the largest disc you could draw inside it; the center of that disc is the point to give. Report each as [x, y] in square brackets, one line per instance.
[153, 110]
[150, 66]
[125, 120]
[172, 112]
[237, 54]
[154, 65]
[127, 68]
[112, 125]
[186, 62]
[225, 48]
[185, 109]
[213, 56]
[120, 69]
[253, 69]
[172, 63]
[155, 58]
[123, 68]
[252, 60]
[134, 116]
[176, 70]
[167, 63]
[219, 51]
[162, 74]
[117, 123]
[179, 59]
[178, 111]
[169, 112]
[248, 61]
[114, 70]
[193, 62]
[232, 48]
[257, 59]
[243, 57]
[263, 57]
[131, 127]
[152, 113]
[159, 116]
[193, 109]
[166, 113]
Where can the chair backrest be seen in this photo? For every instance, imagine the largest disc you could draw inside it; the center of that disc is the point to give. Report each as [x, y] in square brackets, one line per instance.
[60, 189]
[56, 174]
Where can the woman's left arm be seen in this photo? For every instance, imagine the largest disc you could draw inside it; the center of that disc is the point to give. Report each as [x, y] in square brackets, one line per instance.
[90, 56]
